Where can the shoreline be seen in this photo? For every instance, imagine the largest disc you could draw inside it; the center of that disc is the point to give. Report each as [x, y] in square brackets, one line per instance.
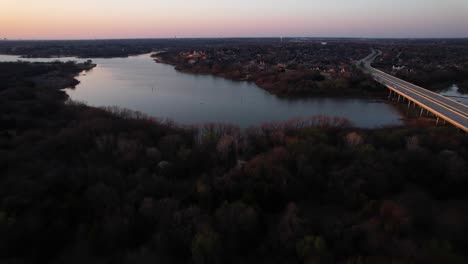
[291, 97]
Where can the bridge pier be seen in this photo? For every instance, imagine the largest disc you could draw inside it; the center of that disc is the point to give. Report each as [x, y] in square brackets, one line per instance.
[421, 113]
[437, 121]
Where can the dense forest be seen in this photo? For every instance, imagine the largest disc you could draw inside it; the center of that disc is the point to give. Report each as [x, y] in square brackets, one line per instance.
[85, 185]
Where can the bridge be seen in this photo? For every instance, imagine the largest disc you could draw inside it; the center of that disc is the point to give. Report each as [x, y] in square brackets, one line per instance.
[443, 108]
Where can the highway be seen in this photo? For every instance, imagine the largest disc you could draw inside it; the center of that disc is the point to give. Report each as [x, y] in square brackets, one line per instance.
[443, 107]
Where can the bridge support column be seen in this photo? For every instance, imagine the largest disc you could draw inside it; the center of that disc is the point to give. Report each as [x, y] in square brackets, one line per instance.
[409, 104]
[437, 121]
[421, 113]
[399, 98]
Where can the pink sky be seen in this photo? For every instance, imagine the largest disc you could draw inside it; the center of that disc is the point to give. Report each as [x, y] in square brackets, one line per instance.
[58, 19]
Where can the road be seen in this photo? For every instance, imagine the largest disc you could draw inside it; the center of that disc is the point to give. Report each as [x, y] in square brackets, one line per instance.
[443, 107]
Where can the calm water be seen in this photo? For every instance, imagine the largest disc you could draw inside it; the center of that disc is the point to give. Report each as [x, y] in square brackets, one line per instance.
[138, 83]
[454, 94]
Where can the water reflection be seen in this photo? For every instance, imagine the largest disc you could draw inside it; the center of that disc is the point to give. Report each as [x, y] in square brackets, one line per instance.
[139, 83]
[453, 93]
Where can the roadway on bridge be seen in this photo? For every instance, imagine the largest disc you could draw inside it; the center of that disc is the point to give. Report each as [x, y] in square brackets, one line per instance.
[448, 109]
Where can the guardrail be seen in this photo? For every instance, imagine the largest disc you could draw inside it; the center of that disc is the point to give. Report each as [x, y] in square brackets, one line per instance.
[448, 109]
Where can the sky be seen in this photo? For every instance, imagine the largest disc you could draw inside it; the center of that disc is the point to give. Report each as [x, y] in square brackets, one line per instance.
[100, 19]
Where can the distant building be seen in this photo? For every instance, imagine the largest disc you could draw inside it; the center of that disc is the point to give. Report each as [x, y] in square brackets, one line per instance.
[397, 68]
[324, 43]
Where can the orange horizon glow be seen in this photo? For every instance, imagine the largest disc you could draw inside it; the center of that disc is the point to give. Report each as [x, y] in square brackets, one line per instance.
[54, 19]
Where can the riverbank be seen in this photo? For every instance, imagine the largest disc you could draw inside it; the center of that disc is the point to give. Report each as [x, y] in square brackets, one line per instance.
[278, 70]
[48, 75]
[327, 89]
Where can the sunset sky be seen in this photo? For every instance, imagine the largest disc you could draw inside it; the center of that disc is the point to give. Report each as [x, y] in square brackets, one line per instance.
[89, 19]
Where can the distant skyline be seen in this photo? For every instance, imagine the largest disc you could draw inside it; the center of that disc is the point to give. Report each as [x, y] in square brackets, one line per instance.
[90, 19]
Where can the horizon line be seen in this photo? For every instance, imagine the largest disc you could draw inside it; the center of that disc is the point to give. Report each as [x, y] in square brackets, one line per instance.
[232, 37]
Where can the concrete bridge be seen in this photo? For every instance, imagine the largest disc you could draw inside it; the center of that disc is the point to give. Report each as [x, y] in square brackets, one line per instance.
[445, 109]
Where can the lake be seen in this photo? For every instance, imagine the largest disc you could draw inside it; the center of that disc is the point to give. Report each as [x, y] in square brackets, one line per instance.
[455, 94]
[140, 84]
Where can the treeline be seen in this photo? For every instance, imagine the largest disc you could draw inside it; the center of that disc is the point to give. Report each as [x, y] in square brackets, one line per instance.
[52, 75]
[113, 47]
[87, 185]
[305, 82]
